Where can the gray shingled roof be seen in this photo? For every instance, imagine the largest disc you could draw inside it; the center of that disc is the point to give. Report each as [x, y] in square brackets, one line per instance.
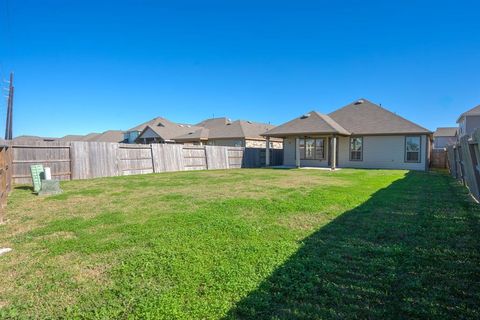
[446, 132]
[359, 117]
[26, 138]
[365, 117]
[239, 129]
[310, 123]
[213, 122]
[151, 122]
[475, 111]
[167, 130]
[193, 135]
[107, 136]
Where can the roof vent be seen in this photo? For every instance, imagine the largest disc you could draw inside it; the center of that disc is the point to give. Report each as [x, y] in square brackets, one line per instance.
[249, 122]
[305, 116]
[360, 101]
[160, 124]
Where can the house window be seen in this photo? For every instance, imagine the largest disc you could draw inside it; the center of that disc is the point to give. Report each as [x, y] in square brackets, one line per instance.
[312, 149]
[356, 149]
[412, 149]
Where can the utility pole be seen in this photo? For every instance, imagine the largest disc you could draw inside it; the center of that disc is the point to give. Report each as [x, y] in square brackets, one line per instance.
[9, 120]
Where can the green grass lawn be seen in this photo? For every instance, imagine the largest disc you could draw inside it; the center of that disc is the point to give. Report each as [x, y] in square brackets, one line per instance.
[244, 244]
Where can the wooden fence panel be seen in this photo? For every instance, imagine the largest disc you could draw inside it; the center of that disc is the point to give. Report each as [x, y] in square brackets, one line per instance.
[217, 157]
[80, 162]
[135, 159]
[438, 158]
[464, 162]
[167, 157]
[9, 168]
[5, 178]
[194, 158]
[94, 159]
[459, 164]
[470, 174]
[451, 161]
[56, 157]
[103, 159]
[85, 160]
[235, 157]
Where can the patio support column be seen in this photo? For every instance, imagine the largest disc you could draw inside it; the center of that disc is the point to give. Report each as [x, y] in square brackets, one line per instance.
[267, 153]
[334, 153]
[297, 152]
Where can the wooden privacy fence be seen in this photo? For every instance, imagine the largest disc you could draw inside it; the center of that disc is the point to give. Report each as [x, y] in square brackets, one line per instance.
[5, 178]
[84, 160]
[438, 158]
[463, 162]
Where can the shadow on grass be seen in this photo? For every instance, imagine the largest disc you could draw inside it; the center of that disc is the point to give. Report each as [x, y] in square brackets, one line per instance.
[27, 188]
[410, 251]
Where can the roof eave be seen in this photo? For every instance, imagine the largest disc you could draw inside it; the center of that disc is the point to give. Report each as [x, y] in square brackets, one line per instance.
[289, 134]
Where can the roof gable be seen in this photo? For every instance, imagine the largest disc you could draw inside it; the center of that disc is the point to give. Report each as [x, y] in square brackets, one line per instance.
[365, 117]
[310, 123]
[167, 131]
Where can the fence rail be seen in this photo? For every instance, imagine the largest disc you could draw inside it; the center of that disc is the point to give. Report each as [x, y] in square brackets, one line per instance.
[464, 160]
[84, 160]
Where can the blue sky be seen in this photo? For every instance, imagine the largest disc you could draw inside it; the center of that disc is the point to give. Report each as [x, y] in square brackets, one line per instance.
[84, 66]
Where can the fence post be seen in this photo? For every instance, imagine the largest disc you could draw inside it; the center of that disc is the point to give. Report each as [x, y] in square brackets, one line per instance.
[153, 160]
[206, 157]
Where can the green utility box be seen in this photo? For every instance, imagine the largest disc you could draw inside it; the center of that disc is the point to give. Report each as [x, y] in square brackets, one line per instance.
[37, 176]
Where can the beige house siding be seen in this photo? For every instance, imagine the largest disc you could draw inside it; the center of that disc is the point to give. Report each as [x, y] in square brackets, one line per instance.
[262, 144]
[471, 123]
[381, 152]
[227, 142]
[243, 143]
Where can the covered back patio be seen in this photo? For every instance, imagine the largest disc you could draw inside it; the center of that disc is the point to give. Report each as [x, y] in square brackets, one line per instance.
[309, 141]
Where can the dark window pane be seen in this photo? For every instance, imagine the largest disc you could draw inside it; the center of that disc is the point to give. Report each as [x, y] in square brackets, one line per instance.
[319, 149]
[413, 156]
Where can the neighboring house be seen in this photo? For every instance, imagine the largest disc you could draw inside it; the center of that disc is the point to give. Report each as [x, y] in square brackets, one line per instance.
[77, 137]
[359, 135]
[131, 135]
[468, 122]
[107, 136]
[29, 139]
[223, 132]
[445, 136]
[158, 130]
